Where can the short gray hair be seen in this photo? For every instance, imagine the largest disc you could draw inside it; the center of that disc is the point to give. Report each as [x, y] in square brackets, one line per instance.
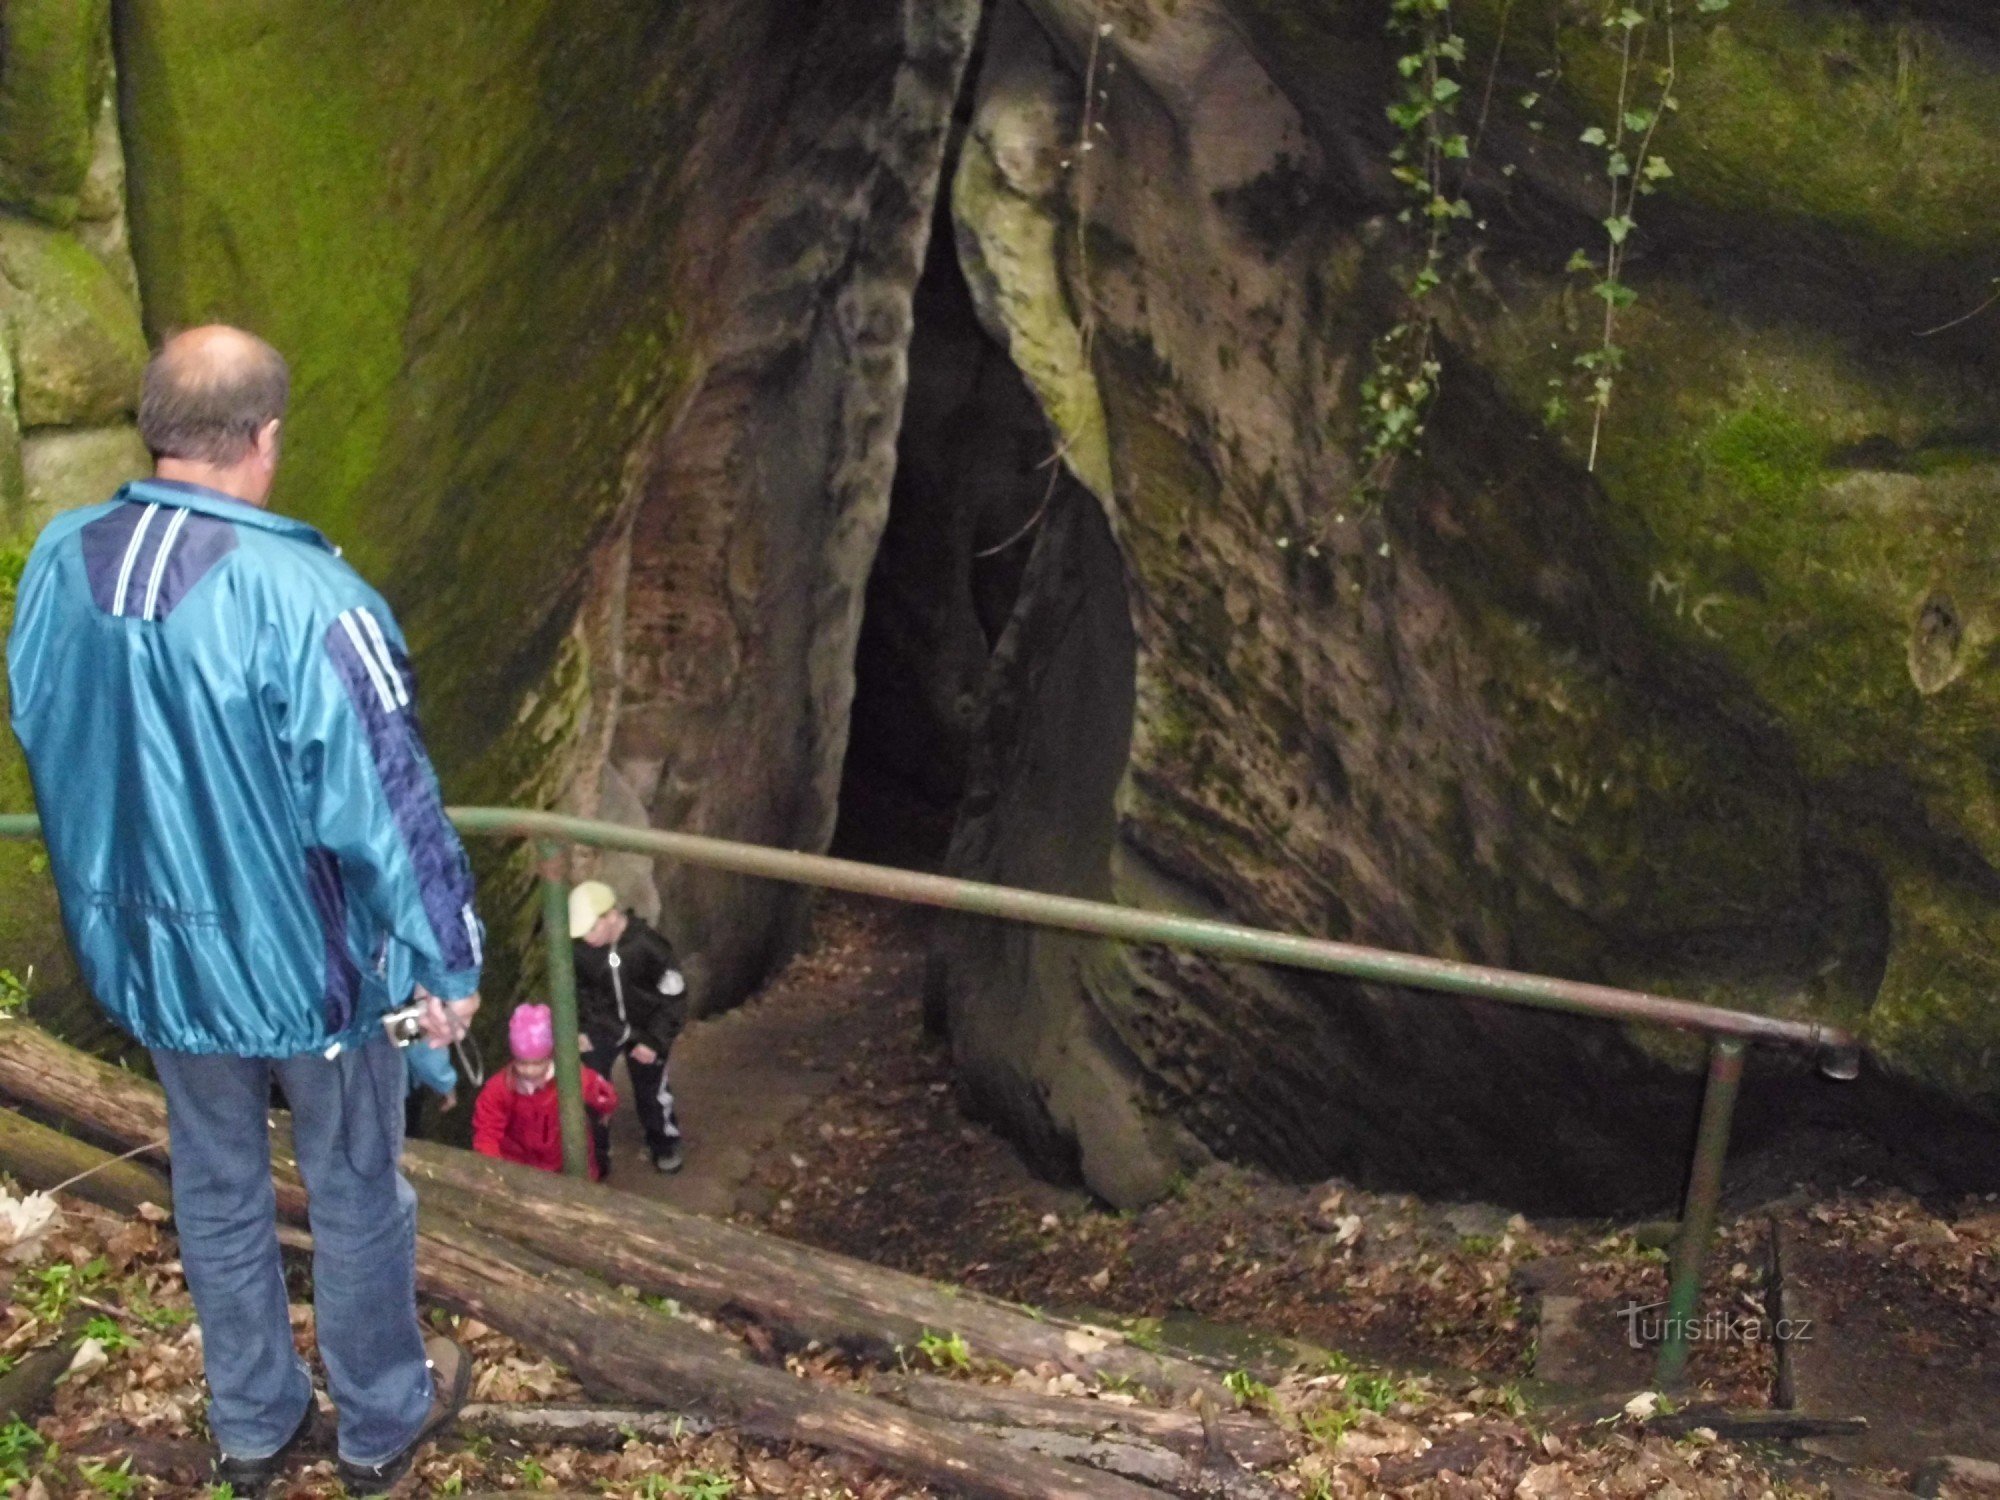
[208, 394]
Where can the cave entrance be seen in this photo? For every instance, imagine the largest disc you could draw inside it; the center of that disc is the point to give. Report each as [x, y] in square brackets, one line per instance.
[973, 478]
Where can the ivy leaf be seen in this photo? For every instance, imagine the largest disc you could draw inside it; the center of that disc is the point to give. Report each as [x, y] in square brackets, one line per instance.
[1445, 89]
[1711, 7]
[1530, 99]
[1630, 18]
[1579, 260]
[1457, 147]
[1656, 169]
[1616, 293]
[1594, 136]
[1619, 165]
[1619, 228]
[1638, 120]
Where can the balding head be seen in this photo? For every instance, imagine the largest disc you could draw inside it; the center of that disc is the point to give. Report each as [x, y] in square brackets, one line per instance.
[208, 395]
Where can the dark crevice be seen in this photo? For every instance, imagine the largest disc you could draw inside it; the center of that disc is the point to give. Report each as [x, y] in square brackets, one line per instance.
[971, 475]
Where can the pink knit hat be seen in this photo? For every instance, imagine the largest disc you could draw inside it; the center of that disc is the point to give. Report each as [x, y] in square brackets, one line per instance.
[531, 1033]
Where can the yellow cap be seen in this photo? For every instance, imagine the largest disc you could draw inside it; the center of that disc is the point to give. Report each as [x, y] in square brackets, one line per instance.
[587, 903]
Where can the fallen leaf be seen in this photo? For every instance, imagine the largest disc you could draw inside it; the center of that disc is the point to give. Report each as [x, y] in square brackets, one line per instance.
[25, 1225]
[86, 1362]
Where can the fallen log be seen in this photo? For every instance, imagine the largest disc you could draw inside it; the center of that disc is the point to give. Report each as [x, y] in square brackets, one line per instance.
[1755, 1426]
[798, 1294]
[40, 1158]
[604, 1427]
[28, 1386]
[611, 1343]
[1144, 1462]
[1124, 1453]
[1249, 1441]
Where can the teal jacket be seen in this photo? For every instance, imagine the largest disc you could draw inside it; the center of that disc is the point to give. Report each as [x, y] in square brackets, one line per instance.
[246, 834]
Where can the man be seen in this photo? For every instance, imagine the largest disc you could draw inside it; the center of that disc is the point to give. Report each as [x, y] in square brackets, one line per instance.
[254, 867]
[630, 999]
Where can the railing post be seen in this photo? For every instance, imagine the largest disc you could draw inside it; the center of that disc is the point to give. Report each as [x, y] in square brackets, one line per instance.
[562, 1005]
[1711, 1148]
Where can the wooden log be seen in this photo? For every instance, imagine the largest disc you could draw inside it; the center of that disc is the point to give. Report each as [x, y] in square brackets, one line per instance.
[800, 1295]
[1122, 1453]
[611, 1343]
[1143, 1462]
[26, 1389]
[572, 1426]
[40, 1158]
[1758, 1426]
[1247, 1440]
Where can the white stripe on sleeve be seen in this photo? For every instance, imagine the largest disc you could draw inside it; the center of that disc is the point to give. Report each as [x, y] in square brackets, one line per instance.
[472, 934]
[388, 662]
[368, 661]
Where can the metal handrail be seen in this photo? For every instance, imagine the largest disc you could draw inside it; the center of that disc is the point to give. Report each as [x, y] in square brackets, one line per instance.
[1729, 1031]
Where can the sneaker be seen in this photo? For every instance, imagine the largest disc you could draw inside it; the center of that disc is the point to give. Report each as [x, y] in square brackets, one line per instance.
[451, 1381]
[249, 1478]
[669, 1158]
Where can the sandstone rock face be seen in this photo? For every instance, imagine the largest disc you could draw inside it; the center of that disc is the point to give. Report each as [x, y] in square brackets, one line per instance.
[736, 591]
[78, 347]
[71, 351]
[1712, 719]
[601, 323]
[597, 326]
[1707, 721]
[55, 60]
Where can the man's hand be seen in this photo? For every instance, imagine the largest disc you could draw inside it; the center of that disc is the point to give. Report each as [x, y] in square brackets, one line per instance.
[583, 1041]
[445, 1021]
[450, 1103]
[641, 1053]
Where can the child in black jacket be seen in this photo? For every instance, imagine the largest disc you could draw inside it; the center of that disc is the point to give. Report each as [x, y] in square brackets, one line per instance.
[630, 999]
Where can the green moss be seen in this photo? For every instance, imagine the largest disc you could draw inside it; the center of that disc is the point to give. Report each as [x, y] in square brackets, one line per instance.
[461, 225]
[1013, 262]
[78, 348]
[54, 58]
[1935, 1017]
[1786, 511]
[1768, 455]
[1817, 119]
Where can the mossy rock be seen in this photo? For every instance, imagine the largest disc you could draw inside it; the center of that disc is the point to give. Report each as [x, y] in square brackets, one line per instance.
[54, 61]
[12, 516]
[1809, 518]
[458, 224]
[65, 467]
[78, 348]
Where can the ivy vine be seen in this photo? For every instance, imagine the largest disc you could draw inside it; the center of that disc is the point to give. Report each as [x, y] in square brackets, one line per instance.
[1430, 160]
[1403, 376]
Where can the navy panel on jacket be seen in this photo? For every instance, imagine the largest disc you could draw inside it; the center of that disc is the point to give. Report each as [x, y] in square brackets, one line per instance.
[381, 700]
[329, 899]
[142, 559]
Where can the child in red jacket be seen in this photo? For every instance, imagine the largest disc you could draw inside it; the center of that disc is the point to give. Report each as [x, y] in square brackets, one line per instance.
[517, 1117]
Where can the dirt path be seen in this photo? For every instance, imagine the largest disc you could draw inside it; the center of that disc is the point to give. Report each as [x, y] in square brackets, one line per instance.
[820, 1111]
[741, 1079]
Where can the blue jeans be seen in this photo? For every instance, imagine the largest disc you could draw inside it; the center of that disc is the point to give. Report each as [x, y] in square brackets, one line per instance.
[347, 1129]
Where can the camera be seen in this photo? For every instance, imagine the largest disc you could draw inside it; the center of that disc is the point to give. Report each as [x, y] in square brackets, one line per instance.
[404, 1026]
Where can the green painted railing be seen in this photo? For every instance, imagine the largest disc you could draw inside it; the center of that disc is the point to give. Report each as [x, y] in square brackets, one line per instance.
[1729, 1031]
